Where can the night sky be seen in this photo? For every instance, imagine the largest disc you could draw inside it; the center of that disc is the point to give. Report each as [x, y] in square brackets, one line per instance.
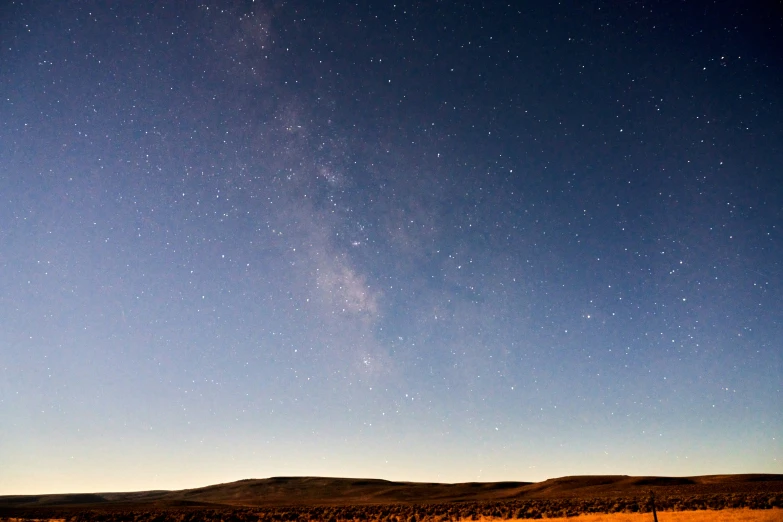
[430, 241]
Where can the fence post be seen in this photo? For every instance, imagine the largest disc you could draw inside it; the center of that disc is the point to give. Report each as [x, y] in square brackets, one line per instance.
[652, 502]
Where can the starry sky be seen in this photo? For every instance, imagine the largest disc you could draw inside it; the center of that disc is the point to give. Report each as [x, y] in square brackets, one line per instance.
[429, 241]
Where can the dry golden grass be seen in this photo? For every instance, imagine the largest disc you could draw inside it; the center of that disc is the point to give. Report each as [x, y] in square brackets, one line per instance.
[723, 515]
[32, 520]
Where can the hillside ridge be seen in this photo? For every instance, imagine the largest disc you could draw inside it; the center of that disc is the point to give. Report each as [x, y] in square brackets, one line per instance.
[282, 491]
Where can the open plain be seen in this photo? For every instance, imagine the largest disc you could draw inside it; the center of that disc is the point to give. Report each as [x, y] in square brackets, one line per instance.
[304, 499]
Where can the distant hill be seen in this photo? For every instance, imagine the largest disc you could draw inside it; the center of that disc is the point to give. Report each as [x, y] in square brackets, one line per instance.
[313, 491]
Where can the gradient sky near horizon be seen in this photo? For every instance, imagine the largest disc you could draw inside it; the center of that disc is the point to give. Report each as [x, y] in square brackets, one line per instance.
[429, 241]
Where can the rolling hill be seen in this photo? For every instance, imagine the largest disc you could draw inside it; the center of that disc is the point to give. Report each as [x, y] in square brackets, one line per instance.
[313, 491]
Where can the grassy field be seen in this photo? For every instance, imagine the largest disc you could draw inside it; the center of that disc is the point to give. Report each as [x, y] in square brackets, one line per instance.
[723, 515]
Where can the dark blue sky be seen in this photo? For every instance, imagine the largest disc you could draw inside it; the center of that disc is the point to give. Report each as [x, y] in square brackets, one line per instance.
[417, 241]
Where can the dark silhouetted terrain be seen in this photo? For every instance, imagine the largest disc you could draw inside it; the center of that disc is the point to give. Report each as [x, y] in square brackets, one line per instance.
[300, 498]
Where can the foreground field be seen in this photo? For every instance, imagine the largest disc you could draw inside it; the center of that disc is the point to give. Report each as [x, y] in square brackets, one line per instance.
[725, 515]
